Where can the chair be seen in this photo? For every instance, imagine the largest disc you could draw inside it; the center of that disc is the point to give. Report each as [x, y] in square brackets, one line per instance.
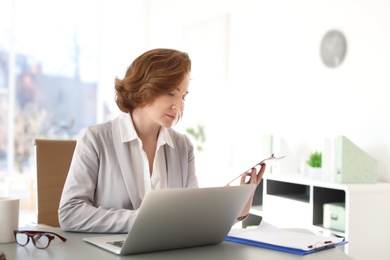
[53, 159]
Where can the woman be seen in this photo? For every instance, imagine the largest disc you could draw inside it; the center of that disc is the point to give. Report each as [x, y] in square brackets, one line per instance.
[116, 163]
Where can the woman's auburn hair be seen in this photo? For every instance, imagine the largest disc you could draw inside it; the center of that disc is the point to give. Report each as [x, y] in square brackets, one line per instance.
[155, 72]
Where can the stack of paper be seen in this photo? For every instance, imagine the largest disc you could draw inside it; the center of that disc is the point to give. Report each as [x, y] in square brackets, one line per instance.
[268, 236]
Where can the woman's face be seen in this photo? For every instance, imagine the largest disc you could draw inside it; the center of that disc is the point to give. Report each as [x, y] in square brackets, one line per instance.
[165, 109]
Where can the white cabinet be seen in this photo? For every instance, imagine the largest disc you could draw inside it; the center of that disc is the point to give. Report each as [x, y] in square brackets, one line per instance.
[289, 201]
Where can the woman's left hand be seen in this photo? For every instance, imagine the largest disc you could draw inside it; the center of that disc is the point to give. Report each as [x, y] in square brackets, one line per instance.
[255, 178]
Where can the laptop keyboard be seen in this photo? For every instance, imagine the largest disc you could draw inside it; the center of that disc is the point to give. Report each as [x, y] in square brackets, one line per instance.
[117, 243]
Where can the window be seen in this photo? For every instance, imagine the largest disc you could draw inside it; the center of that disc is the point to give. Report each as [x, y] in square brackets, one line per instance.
[58, 61]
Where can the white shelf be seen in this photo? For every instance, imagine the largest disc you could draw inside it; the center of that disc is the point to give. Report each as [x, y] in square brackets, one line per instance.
[256, 210]
[292, 201]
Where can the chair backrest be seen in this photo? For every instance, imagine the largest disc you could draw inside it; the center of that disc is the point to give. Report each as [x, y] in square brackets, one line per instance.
[53, 158]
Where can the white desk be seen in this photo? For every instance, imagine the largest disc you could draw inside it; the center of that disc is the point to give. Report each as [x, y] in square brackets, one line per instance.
[76, 248]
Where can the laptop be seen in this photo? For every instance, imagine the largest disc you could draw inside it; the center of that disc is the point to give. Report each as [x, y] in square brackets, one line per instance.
[179, 218]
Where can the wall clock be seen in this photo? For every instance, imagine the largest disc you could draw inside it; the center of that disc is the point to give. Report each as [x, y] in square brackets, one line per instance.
[333, 48]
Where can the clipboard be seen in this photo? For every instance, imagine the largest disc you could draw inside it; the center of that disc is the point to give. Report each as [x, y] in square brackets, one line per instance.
[271, 237]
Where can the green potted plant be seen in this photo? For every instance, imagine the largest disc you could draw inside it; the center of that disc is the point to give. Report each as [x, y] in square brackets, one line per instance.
[315, 165]
[315, 159]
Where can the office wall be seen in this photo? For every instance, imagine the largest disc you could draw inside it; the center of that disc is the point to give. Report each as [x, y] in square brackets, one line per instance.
[262, 74]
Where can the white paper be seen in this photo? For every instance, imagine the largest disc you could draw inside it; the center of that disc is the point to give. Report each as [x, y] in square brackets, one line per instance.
[267, 233]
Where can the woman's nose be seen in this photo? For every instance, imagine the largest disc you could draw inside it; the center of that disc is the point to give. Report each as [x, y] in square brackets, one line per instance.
[179, 106]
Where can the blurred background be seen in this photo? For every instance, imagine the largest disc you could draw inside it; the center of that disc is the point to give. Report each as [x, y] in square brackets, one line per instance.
[257, 71]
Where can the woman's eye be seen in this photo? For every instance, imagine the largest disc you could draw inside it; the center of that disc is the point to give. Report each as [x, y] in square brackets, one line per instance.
[171, 94]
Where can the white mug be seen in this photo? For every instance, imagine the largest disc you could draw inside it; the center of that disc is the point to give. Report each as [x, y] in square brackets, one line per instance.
[9, 218]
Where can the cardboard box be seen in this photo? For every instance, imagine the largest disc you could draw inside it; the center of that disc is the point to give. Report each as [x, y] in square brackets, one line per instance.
[334, 216]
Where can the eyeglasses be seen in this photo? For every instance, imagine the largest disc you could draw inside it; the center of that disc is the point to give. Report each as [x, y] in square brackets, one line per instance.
[40, 239]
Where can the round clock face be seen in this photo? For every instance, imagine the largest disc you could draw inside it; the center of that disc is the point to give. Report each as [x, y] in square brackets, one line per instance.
[333, 48]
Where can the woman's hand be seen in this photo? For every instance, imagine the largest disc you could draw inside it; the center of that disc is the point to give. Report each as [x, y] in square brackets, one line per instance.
[255, 178]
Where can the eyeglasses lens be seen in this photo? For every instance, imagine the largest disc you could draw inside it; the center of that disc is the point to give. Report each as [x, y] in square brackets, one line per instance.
[41, 241]
[22, 239]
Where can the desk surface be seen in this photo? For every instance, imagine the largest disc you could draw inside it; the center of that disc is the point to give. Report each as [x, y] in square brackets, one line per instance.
[76, 248]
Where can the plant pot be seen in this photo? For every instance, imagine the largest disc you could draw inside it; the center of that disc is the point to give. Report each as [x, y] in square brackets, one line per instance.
[315, 173]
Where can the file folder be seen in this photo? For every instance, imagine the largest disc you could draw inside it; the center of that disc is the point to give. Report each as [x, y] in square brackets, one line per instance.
[271, 237]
